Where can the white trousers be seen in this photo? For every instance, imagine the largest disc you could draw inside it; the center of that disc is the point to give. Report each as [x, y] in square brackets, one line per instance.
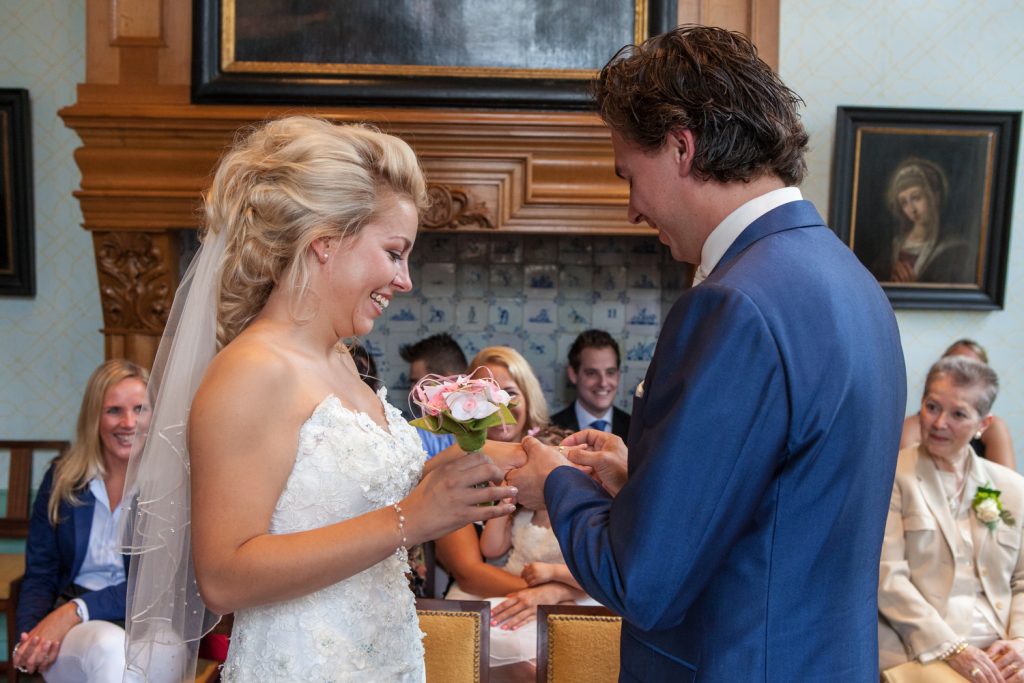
[92, 652]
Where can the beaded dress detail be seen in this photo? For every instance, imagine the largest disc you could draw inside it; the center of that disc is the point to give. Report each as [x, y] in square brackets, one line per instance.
[363, 628]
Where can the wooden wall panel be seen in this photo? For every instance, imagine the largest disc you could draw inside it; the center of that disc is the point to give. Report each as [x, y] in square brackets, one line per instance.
[147, 154]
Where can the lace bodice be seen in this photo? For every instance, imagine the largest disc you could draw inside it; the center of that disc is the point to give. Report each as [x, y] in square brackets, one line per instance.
[531, 543]
[365, 627]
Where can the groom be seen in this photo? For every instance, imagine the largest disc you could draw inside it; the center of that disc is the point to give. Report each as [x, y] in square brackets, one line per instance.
[744, 544]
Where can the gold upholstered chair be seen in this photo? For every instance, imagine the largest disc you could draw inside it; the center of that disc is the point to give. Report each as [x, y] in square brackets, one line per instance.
[457, 639]
[14, 525]
[914, 672]
[577, 644]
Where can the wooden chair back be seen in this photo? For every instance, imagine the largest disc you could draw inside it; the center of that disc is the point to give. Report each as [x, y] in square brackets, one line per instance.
[14, 525]
[577, 644]
[457, 642]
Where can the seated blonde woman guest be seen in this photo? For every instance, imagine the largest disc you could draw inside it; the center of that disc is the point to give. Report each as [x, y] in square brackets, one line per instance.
[72, 604]
[994, 443]
[951, 581]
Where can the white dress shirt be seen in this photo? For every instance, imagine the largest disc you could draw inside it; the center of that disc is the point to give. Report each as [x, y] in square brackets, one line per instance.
[103, 565]
[584, 419]
[722, 237]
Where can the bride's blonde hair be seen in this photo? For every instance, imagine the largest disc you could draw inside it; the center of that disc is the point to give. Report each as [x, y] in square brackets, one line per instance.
[286, 184]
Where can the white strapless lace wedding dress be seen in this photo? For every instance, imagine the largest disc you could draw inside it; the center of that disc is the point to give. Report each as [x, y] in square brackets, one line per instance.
[365, 627]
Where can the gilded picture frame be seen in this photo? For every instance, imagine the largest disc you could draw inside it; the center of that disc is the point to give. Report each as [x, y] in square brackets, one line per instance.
[924, 198]
[530, 54]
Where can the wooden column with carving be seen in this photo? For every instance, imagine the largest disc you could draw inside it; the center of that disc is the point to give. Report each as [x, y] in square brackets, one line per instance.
[147, 153]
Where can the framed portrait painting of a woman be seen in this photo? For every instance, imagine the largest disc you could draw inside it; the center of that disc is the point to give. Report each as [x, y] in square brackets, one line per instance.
[923, 198]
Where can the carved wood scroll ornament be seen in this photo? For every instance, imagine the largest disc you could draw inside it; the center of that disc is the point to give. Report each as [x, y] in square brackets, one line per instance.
[450, 208]
[136, 285]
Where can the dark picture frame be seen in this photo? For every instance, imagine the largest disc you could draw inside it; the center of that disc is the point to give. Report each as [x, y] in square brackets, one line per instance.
[924, 198]
[17, 250]
[522, 54]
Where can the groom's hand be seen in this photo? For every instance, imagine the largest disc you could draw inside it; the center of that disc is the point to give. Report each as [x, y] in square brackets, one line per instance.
[604, 454]
[529, 478]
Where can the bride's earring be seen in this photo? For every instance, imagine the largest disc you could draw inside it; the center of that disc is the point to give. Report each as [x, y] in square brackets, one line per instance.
[978, 435]
[323, 257]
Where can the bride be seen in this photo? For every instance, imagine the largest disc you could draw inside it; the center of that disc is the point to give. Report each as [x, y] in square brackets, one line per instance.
[306, 487]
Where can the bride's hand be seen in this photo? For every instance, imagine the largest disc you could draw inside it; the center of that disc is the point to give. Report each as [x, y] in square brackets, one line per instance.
[506, 454]
[447, 498]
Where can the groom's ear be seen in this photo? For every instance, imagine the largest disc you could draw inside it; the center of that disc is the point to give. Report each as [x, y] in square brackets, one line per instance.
[682, 142]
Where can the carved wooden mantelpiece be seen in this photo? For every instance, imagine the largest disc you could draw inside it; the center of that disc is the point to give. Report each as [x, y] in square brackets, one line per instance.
[147, 154]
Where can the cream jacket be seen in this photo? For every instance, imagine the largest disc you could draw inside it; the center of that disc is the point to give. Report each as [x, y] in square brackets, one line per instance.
[917, 571]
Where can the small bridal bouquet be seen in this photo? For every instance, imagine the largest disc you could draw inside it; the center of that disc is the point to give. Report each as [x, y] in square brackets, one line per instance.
[462, 406]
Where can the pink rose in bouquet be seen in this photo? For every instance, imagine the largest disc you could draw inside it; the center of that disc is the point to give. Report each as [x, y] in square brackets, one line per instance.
[462, 406]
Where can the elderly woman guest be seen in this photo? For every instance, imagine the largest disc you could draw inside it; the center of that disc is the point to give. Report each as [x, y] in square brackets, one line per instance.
[994, 443]
[923, 249]
[72, 603]
[951, 582]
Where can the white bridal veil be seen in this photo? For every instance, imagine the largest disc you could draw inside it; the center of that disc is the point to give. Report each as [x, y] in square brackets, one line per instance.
[165, 615]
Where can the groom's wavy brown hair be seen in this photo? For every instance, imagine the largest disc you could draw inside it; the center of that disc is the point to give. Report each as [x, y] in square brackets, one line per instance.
[710, 81]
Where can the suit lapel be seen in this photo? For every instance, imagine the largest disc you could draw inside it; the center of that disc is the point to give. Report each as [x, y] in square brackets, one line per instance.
[931, 488]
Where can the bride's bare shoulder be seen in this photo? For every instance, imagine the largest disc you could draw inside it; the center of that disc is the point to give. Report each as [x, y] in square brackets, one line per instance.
[249, 370]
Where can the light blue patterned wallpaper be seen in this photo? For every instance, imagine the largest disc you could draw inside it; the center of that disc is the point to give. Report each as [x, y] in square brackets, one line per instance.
[942, 54]
[51, 343]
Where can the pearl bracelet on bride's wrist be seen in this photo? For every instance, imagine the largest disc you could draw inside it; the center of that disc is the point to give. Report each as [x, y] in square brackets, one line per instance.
[401, 531]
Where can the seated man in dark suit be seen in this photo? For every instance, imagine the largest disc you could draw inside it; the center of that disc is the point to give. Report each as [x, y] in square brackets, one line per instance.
[594, 362]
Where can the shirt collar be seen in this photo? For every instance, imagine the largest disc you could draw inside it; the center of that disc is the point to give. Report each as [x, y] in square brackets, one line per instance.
[584, 419]
[722, 237]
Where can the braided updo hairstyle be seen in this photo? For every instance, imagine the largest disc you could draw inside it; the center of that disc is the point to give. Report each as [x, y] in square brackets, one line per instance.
[287, 183]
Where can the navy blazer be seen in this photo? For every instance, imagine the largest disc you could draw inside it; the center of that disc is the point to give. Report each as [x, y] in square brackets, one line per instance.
[53, 558]
[566, 419]
[745, 544]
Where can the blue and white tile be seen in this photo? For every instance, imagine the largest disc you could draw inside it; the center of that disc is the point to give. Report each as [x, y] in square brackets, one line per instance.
[472, 247]
[609, 316]
[506, 279]
[541, 280]
[438, 279]
[472, 279]
[505, 315]
[438, 315]
[540, 316]
[643, 279]
[573, 250]
[436, 247]
[541, 248]
[403, 315]
[576, 282]
[610, 281]
[643, 314]
[506, 249]
[575, 315]
[471, 315]
[610, 251]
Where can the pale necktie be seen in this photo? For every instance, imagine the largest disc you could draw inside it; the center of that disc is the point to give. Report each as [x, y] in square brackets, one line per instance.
[698, 276]
[599, 424]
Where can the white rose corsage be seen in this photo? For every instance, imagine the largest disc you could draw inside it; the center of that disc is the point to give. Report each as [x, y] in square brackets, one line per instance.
[989, 509]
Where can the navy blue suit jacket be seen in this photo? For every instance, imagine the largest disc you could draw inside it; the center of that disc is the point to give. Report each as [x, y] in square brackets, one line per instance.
[53, 558]
[745, 545]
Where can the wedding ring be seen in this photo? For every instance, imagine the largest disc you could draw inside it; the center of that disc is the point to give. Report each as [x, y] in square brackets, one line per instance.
[974, 672]
[561, 451]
